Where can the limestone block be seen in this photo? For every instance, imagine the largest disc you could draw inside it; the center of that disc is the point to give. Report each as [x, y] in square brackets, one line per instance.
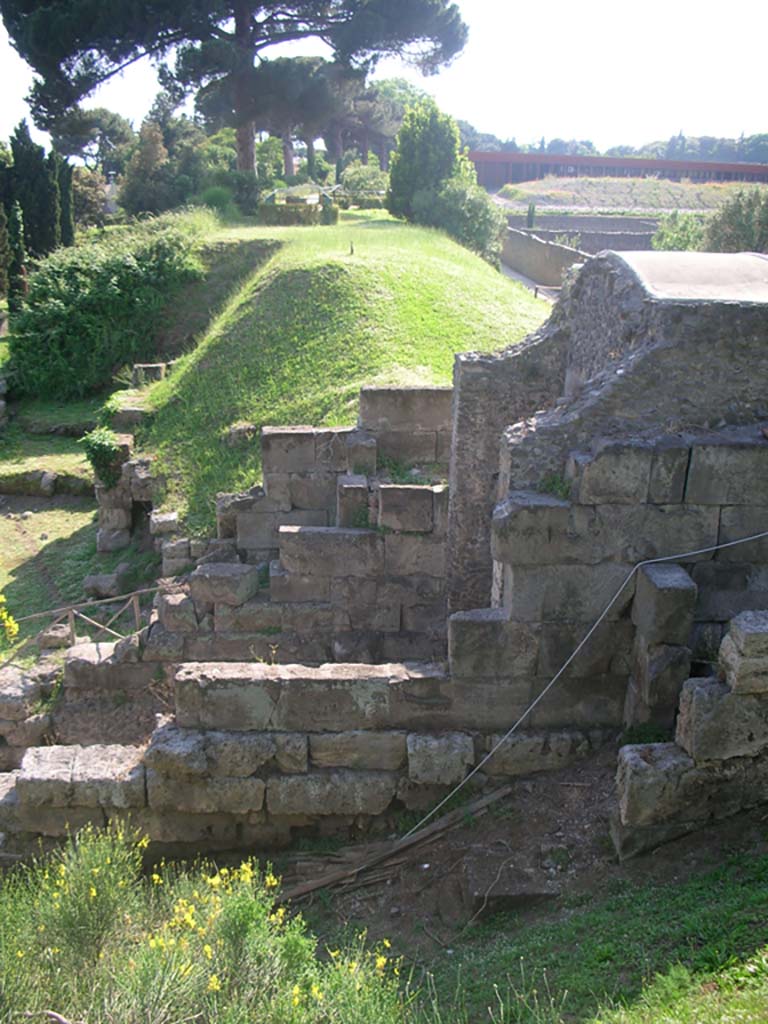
[410, 647]
[524, 753]
[163, 523]
[145, 483]
[332, 551]
[288, 449]
[439, 760]
[31, 732]
[278, 489]
[429, 619]
[287, 587]
[313, 491]
[658, 783]
[411, 590]
[615, 473]
[253, 616]
[205, 796]
[238, 755]
[177, 753]
[245, 697]
[292, 752]
[176, 611]
[198, 547]
[577, 702]
[485, 643]
[331, 446]
[406, 508]
[728, 474]
[660, 671]
[669, 467]
[408, 447]
[269, 647]
[113, 497]
[147, 373]
[339, 792]
[307, 619]
[743, 674]
[361, 453]
[18, 693]
[93, 667]
[538, 529]
[420, 408]
[352, 500]
[418, 554]
[228, 505]
[114, 519]
[728, 588]
[108, 776]
[444, 443]
[664, 604]
[177, 549]
[608, 651]
[8, 802]
[631, 840]
[175, 566]
[102, 584]
[224, 583]
[749, 632]
[384, 751]
[162, 645]
[440, 502]
[57, 822]
[715, 723]
[361, 604]
[738, 521]
[112, 540]
[45, 778]
[566, 593]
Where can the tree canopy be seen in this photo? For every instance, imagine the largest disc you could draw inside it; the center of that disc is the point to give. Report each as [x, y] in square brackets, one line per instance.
[74, 45]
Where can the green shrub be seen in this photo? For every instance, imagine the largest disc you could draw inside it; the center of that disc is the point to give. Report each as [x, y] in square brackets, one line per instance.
[95, 307]
[296, 214]
[679, 231]
[740, 225]
[102, 449]
[217, 197]
[466, 212]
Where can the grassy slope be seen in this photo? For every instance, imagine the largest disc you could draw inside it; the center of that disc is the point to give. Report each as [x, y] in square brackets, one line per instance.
[622, 194]
[312, 325]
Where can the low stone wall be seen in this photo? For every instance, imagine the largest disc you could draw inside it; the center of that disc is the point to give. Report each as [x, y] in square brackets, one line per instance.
[571, 223]
[546, 263]
[593, 242]
[718, 764]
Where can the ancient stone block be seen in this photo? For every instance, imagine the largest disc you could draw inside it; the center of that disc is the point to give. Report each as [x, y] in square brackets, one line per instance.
[176, 611]
[429, 619]
[732, 474]
[57, 822]
[418, 554]
[410, 647]
[331, 552]
[162, 523]
[112, 540]
[8, 802]
[18, 693]
[205, 796]
[331, 447]
[749, 632]
[278, 489]
[608, 651]
[440, 502]
[660, 671]
[631, 840]
[737, 522]
[238, 754]
[177, 548]
[538, 529]
[224, 583]
[108, 776]
[577, 702]
[287, 587]
[339, 792]
[313, 491]
[30, 732]
[715, 723]
[407, 447]
[384, 751]
[615, 473]
[254, 616]
[405, 508]
[114, 519]
[669, 467]
[45, 778]
[307, 619]
[288, 449]
[93, 667]
[743, 674]
[162, 645]
[352, 500]
[421, 408]
[664, 603]
[147, 373]
[566, 593]
[524, 753]
[439, 760]
[292, 752]
[485, 643]
[728, 588]
[177, 753]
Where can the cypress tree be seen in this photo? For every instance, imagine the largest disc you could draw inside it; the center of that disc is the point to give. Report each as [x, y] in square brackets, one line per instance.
[34, 185]
[50, 200]
[67, 200]
[17, 268]
[5, 252]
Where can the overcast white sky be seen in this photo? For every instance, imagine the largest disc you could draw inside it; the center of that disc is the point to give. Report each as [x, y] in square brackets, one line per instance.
[603, 70]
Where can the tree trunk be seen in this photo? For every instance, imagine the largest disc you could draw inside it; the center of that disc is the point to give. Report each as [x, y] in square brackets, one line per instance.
[288, 161]
[246, 149]
[364, 147]
[311, 162]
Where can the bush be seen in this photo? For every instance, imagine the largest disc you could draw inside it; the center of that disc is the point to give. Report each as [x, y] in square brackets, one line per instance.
[95, 307]
[679, 231]
[465, 212]
[740, 225]
[296, 214]
[217, 197]
[102, 449]
[365, 184]
[427, 155]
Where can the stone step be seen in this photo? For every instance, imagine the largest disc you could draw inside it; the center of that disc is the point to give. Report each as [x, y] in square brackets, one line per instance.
[334, 697]
[98, 667]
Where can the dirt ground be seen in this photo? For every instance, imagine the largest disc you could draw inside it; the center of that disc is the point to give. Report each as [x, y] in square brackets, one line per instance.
[537, 851]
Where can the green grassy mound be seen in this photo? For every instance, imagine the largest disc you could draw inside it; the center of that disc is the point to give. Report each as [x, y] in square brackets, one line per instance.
[369, 301]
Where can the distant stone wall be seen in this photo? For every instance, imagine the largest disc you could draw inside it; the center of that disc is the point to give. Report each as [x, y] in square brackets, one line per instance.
[546, 263]
[570, 223]
[593, 242]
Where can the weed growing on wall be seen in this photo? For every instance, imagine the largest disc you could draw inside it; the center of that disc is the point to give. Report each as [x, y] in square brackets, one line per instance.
[95, 307]
[102, 449]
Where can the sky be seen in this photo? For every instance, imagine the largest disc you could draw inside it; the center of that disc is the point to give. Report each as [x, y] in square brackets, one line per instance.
[608, 71]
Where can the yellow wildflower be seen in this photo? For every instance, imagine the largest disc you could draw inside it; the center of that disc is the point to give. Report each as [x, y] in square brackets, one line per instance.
[316, 993]
[381, 962]
[386, 943]
[156, 879]
[214, 985]
[208, 951]
[270, 881]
